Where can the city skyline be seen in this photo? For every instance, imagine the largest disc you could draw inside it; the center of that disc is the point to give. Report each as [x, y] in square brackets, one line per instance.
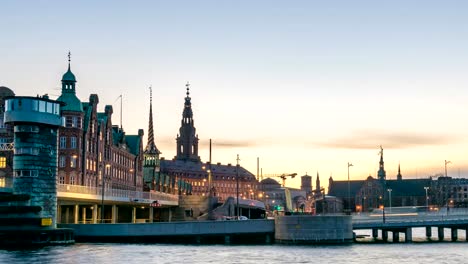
[306, 87]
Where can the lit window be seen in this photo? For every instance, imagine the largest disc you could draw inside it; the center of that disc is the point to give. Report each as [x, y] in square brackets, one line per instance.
[73, 161]
[2, 162]
[2, 182]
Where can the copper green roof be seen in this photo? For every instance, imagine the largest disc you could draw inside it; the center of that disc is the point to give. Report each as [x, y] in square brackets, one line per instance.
[69, 76]
[72, 102]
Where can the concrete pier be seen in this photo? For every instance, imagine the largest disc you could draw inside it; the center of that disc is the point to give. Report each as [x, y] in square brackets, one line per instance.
[454, 234]
[440, 233]
[396, 236]
[428, 232]
[409, 235]
[311, 229]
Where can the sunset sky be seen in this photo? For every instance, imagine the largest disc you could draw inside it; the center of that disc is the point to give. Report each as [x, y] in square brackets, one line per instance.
[306, 86]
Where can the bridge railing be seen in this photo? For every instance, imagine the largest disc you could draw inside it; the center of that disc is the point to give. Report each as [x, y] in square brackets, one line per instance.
[124, 194]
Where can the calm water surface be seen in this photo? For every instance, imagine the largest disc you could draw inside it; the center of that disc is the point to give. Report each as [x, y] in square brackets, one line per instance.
[445, 252]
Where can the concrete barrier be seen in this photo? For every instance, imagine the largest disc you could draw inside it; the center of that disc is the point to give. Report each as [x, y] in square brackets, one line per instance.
[308, 229]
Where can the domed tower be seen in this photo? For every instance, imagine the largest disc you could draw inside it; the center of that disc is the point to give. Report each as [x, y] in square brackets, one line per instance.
[71, 155]
[6, 140]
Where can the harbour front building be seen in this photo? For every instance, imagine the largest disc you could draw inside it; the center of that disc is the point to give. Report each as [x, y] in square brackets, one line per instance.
[92, 151]
[205, 178]
[371, 193]
[6, 142]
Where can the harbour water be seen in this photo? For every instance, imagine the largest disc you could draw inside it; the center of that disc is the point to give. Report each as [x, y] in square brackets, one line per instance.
[363, 253]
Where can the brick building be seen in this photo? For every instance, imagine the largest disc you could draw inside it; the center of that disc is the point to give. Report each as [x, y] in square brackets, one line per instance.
[91, 149]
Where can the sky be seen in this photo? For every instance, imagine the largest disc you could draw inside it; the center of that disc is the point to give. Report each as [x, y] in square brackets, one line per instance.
[305, 86]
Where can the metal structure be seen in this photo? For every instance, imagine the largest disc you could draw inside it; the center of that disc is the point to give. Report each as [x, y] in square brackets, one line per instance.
[282, 176]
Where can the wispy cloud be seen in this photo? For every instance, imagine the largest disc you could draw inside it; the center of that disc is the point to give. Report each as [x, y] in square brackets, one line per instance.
[372, 139]
[226, 143]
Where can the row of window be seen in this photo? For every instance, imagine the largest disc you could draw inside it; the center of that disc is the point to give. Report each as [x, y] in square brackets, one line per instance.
[73, 161]
[26, 173]
[73, 121]
[30, 104]
[73, 142]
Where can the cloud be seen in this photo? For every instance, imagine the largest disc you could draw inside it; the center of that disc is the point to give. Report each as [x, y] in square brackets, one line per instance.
[232, 143]
[395, 140]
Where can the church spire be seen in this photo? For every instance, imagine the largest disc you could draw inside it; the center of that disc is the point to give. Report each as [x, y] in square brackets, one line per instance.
[151, 146]
[399, 177]
[68, 79]
[381, 173]
[317, 183]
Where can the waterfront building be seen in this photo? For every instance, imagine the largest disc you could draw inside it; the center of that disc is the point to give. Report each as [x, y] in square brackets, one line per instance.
[93, 151]
[205, 178]
[6, 140]
[366, 195]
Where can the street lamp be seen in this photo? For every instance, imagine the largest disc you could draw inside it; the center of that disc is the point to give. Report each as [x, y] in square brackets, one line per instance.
[237, 187]
[389, 199]
[427, 198]
[349, 192]
[102, 192]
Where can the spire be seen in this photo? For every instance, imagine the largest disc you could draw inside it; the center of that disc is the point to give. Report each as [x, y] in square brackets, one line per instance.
[381, 173]
[69, 59]
[187, 140]
[399, 177]
[151, 146]
[317, 183]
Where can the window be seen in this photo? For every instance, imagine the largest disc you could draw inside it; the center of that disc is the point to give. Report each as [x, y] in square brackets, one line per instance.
[73, 142]
[61, 180]
[73, 161]
[26, 173]
[72, 180]
[63, 142]
[2, 162]
[2, 182]
[27, 151]
[62, 161]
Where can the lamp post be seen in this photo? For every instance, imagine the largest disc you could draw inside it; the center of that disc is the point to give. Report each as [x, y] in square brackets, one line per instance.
[237, 187]
[446, 194]
[390, 199]
[349, 192]
[427, 198]
[102, 192]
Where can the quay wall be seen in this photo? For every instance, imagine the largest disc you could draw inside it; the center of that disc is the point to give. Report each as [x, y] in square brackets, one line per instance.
[311, 229]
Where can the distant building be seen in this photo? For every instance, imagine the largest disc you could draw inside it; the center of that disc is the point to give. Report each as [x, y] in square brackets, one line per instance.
[6, 139]
[92, 151]
[366, 195]
[187, 167]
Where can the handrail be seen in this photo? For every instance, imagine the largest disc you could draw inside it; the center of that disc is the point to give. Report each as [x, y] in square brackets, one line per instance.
[128, 194]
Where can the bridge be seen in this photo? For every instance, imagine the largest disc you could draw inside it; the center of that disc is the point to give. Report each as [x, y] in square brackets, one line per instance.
[83, 204]
[404, 223]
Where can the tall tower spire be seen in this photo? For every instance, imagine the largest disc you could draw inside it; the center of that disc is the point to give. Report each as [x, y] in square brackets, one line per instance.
[399, 177]
[151, 146]
[381, 173]
[187, 139]
[317, 184]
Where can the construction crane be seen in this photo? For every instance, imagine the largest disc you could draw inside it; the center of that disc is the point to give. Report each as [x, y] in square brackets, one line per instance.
[282, 176]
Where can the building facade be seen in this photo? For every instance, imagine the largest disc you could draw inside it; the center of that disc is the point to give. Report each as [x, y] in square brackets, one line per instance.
[6, 140]
[92, 151]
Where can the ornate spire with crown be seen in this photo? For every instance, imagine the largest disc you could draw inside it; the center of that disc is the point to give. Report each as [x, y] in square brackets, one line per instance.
[187, 140]
[151, 146]
[381, 174]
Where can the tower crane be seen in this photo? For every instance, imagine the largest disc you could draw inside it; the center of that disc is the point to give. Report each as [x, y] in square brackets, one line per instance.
[283, 176]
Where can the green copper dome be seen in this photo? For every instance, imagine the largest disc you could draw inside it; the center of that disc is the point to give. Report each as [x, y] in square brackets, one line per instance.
[68, 76]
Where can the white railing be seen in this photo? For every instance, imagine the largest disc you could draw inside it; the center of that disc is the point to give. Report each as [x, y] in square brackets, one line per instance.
[122, 194]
